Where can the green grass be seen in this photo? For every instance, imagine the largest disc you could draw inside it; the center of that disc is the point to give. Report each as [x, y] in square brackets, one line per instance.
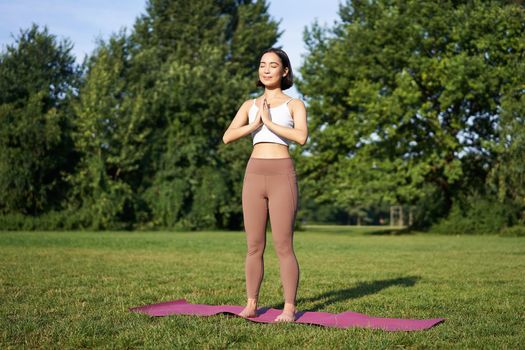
[73, 290]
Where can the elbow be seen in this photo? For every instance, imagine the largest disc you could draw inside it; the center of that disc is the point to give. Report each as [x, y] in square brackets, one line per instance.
[303, 140]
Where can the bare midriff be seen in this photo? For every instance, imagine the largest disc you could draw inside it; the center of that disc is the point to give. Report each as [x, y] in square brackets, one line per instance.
[270, 150]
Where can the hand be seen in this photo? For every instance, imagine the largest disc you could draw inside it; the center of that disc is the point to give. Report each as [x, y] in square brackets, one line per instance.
[257, 122]
[265, 112]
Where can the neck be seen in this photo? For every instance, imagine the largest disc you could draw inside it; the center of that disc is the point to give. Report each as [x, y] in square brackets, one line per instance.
[271, 93]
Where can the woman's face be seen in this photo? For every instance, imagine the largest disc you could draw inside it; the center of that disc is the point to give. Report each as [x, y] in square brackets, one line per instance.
[271, 70]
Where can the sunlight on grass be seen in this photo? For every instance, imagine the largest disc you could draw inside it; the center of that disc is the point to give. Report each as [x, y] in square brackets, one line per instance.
[73, 289]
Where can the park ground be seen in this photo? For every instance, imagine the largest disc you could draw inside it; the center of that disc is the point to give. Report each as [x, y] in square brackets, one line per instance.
[73, 289]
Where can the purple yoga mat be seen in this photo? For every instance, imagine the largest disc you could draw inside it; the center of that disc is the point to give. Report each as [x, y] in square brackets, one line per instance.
[266, 315]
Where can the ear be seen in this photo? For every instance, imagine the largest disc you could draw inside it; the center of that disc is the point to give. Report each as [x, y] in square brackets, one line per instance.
[285, 72]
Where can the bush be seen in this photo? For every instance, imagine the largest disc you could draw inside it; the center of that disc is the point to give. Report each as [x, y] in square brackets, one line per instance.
[49, 221]
[79, 219]
[477, 215]
[429, 208]
[513, 231]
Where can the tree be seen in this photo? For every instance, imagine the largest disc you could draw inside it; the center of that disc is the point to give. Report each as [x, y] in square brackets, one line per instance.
[110, 134]
[38, 77]
[202, 75]
[153, 109]
[508, 173]
[405, 98]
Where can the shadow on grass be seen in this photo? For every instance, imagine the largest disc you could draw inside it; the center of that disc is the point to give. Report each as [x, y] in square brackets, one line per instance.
[362, 289]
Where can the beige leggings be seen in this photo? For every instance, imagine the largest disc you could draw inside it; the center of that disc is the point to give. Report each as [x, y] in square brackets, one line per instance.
[270, 185]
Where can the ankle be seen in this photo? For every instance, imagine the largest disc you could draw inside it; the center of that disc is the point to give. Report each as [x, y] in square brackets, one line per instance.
[290, 307]
[251, 302]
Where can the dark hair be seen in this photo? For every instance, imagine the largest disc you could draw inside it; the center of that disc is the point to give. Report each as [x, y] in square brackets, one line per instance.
[287, 81]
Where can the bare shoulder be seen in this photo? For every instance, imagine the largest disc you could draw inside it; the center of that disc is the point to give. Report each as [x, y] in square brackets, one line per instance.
[297, 102]
[246, 104]
[297, 105]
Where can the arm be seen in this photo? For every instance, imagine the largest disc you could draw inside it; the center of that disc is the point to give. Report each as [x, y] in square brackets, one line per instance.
[239, 126]
[299, 133]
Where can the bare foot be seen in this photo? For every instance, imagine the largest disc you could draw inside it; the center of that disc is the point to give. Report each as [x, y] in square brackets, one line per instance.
[250, 309]
[288, 314]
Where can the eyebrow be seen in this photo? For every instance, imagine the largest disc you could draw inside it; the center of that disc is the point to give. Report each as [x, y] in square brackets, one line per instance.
[270, 62]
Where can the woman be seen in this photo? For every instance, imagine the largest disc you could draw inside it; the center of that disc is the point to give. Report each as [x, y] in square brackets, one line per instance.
[274, 120]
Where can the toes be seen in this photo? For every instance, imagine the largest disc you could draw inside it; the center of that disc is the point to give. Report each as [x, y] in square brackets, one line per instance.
[248, 313]
[284, 318]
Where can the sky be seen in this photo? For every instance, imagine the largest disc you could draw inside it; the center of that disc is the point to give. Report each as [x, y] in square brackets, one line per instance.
[83, 21]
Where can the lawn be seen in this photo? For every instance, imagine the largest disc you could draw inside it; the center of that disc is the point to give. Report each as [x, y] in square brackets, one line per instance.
[73, 289]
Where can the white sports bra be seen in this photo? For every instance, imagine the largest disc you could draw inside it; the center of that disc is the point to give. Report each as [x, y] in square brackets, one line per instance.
[279, 115]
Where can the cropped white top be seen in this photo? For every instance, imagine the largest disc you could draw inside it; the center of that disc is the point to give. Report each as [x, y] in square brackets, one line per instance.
[279, 115]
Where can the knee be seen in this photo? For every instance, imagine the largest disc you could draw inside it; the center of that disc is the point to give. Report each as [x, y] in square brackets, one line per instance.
[284, 249]
[255, 249]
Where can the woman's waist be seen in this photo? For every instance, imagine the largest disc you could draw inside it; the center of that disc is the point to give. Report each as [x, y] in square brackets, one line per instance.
[270, 166]
[270, 150]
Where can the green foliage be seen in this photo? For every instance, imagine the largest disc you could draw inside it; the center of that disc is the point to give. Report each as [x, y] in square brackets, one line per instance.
[51, 220]
[109, 134]
[513, 231]
[37, 79]
[140, 146]
[416, 103]
[152, 112]
[210, 202]
[315, 213]
[477, 215]
[404, 99]
[431, 206]
[166, 200]
[200, 81]
[508, 173]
